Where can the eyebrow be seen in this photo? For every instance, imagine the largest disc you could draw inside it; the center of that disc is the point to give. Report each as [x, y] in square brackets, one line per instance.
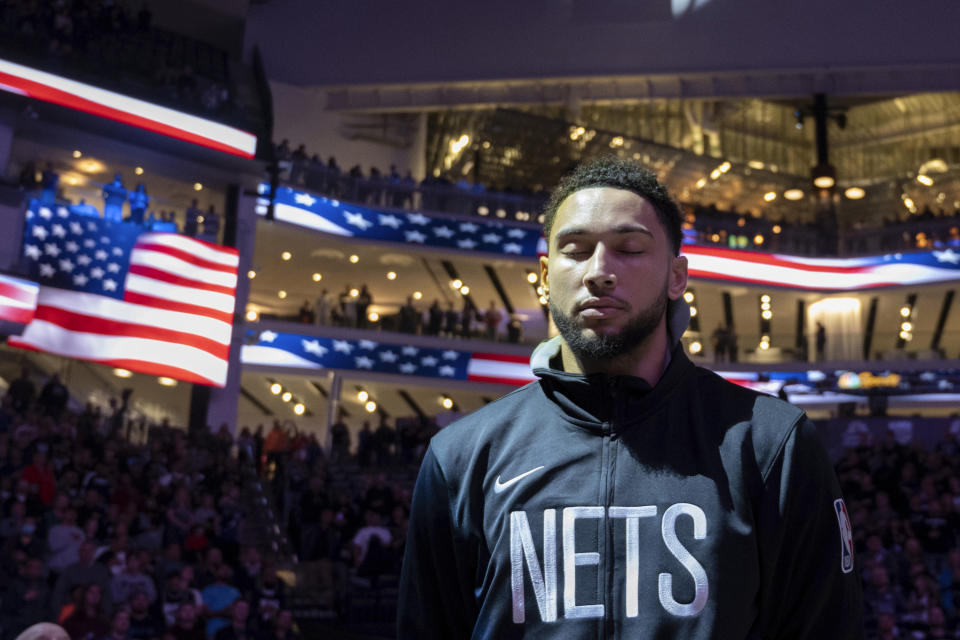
[586, 231]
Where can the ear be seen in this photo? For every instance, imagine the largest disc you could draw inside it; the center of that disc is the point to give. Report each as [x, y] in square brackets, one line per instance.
[544, 262]
[678, 277]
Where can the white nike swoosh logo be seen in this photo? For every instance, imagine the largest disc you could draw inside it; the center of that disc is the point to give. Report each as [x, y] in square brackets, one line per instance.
[501, 486]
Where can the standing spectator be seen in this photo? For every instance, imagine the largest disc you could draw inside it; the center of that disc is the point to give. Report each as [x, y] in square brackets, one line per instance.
[384, 438]
[63, 542]
[466, 319]
[239, 627]
[720, 338]
[450, 321]
[364, 300]
[218, 599]
[191, 225]
[821, 341]
[324, 307]
[492, 319]
[53, 397]
[139, 201]
[305, 315]
[348, 307]
[21, 391]
[434, 319]
[114, 195]
[210, 225]
[339, 441]
[88, 621]
[732, 344]
[515, 329]
[365, 445]
[48, 186]
[408, 317]
[85, 571]
[371, 546]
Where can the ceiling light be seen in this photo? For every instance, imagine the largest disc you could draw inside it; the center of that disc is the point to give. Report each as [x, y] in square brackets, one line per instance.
[793, 194]
[908, 203]
[906, 335]
[616, 142]
[89, 165]
[925, 180]
[766, 314]
[905, 311]
[354, 293]
[907, 326]
[281, 294]
[543, 300]
[76, 153]
[770, 196]
[167, 382]
[370, 406]
[764, 345]
[251, 274]
[252, 316]
[354, 259]
[715, 237]
[765, 298]
[122, 373]
[276, 388]
[417, 295]
[701, 183]
[501, 213]
[446, 403]
[755, 164]
[758, 239]
[696, 347]
[824, 182]
[299, 408]
[197, 186]
[693, 312]
[854, 193]
[362, 395]
[286, 396]
[373, 316]
[716, 173]
[776, 229]
[483, 210]
[532, 277]
[688, 296]
[138, 171]
[724, 167]
[456, 284]
[391, 275]
[464, 290]
[317, 277]
[286, 255]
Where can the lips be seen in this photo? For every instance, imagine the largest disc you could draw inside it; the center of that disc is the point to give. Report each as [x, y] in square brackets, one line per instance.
[600, 307]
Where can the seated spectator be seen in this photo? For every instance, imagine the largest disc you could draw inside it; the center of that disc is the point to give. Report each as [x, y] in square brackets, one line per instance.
[131, 580]
[84, 571]
[145, 623]
[27, 599]
[63, 542]
[269, 596]
[239, 626]
[187, 625]
[88, 622]
[119, 626]
[282, 628]
[178, 593]
[218, 599]
[370, 547]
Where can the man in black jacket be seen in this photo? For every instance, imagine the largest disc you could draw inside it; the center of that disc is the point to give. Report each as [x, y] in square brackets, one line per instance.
[627, 493]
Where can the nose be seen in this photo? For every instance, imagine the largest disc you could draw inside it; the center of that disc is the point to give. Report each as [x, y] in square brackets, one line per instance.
[599, 273]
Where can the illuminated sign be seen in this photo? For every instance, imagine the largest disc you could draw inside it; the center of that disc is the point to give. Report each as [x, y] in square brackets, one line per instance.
[58, 90]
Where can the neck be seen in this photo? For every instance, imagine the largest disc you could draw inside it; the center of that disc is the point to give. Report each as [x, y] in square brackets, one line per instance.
[647, 360]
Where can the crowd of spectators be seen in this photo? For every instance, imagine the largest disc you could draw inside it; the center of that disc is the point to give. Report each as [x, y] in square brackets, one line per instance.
[350, 309]
[114, 44]
[904, 503]
[113, 538]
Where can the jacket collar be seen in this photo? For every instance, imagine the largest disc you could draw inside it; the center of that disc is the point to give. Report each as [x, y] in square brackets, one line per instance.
[598, 398]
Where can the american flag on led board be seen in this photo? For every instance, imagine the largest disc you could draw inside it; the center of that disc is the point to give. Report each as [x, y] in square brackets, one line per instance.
[18, 299]
[114, 293]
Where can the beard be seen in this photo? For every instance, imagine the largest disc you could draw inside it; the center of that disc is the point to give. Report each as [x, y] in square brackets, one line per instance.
[602, 347]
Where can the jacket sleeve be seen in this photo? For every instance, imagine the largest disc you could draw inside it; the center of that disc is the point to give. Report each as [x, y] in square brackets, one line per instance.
[436, 593]
[810, 588]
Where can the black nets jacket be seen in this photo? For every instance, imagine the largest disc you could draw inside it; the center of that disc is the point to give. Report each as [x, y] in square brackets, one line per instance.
[597, 507]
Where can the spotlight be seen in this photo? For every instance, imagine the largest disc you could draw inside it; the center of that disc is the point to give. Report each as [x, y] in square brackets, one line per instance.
[446, 402]
[354, 259]
[299, 408]
[167, 382]
[354, 293]
[251, 274]
[391, 275]
[464, 290]
[417, 295]
[925, 180]
[776, 229]
[854, 193]
[793, 194]
[252, 316]
[905, 311]
[197, 186]
[456, 284]
[370, 406]
[688, 296]
[317, 277]
[766, 314]
[122, 373]
[286, 396]
[696, 347]
[770, 196]
[373, 316]
[286, 255]
[363, 396]
[138, 171]
[693, 312]
[76, 153]
[281, 294]
[532, 277]
[824, 182]
[276, 388]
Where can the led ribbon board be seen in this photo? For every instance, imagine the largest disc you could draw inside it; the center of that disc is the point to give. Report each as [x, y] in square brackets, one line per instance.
[525, 242]
[294, 351]
[58, 90]
[18, 299]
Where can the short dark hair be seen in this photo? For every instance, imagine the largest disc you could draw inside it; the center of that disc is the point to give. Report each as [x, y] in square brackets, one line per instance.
[611, 171]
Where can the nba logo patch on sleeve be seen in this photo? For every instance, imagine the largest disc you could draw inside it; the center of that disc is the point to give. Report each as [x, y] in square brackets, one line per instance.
[846, 536]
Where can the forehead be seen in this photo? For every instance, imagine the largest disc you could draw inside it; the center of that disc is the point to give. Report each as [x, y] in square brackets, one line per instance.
[604, 209]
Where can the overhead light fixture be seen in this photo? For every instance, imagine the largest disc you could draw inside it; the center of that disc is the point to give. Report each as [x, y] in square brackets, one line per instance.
[251, 274]
[724, 167]
[446, 402]
[391, 275]
[122, 373]
[167, 382]
[363, 395]
[701, 183]
[276, 388]
[286, 396]
[456, 284]
[532, 277]
[688, 296]
[464, 290]
[138, 171]
[299, 408]
[197, 186]
[906, 326]
[281, 294]
[766, 314]
[252, 316]
[770, 196]
[824, 182]
[765, 298]
[716, 173]
[76, 153]
[317, 277]
[776, 229]
[854, 193]
[354, 293]
[905, 311]
[925, 180]
[793, 194]
[286, 255]
[417, 295]
[693, 312]
[755, 164]
[354, 259]
[373, 316]
[906, 335]
[758, 239]
[370, 406]
[543, 300]
[483, 210]
[696, 347]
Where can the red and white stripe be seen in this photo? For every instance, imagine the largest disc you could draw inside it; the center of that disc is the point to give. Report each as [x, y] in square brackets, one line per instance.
[175, 319]
[58, 90]
[499, 368]
[18, 299]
